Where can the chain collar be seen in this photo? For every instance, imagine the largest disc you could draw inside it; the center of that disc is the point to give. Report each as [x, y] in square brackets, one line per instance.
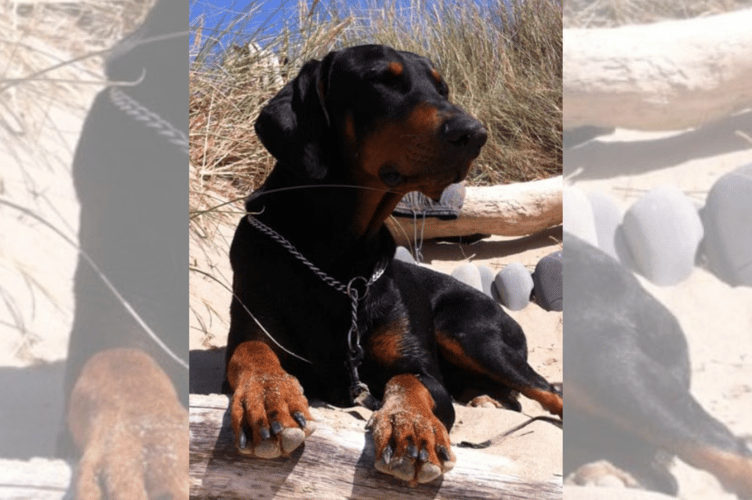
[150, 119]
[332, 282]
[359, 392]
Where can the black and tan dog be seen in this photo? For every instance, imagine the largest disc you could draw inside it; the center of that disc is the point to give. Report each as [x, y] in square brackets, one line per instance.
[127, 424]
[352, 134]
[627, 373]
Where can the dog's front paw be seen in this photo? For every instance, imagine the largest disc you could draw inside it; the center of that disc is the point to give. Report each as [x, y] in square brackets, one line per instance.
[269, 412]
[270, 416]
[132, 432]
[411, 443]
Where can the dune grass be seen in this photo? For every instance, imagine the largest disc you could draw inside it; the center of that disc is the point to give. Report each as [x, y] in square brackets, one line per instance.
[51, 55]
[609, 13]
[503, 65]
[50, 68]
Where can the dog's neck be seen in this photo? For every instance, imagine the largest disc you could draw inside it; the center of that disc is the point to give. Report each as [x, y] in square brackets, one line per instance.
[372, 210]
[320, 221]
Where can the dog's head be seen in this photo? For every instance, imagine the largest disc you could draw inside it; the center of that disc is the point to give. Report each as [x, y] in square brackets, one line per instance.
[375, 117]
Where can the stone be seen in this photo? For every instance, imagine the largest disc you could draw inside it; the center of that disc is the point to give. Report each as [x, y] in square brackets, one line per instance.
[607, 218]
[468, 273]
[548, 287]
[404, 255]
[514, 284]
[663, 230]
[727, 219]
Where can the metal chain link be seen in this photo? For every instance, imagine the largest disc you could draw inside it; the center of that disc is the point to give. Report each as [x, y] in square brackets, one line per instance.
[337, 285]
[359, 393]
[133, 108]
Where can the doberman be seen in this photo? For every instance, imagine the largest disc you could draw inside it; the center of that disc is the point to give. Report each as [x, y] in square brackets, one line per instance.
[127, 422]
[317, 293]
[627, 374]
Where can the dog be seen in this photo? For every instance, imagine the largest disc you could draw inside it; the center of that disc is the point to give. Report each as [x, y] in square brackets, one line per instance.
[627, 374]
[126, 419]
[320, 308]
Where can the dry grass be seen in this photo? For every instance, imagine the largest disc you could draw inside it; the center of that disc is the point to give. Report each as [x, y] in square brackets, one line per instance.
[502, 65]
[50, 66]
[49, 50]
[608, 13]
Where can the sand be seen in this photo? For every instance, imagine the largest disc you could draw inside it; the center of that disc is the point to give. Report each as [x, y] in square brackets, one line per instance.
[716, 318]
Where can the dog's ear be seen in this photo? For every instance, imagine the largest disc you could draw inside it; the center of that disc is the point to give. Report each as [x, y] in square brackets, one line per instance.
[294, 126]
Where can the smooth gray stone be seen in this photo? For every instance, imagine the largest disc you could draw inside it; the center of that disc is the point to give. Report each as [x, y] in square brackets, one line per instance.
[404, 255]
[487, 277]
[548, 282]
[514, 285]
[607, 218]
[727, 218]
[468, 273]
[663, 231]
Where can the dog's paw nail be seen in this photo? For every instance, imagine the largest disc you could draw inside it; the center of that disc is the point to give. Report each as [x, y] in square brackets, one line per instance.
[423, 457]
[386, 455]
[428, 472]
[242, 440]
[291, 438]
[412, 451]
[268, 449]
[265, 434]
[300, 419]
[308, 427]
[276, 428]
[443, 454]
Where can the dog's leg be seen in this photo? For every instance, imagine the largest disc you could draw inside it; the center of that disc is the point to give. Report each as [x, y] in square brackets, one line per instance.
[270, 416]
[476, 336]
[125, 418]
[411, 442]
[656, 407]
[486, 354]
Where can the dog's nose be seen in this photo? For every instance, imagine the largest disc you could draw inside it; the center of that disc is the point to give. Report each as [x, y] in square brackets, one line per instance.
[465, 132]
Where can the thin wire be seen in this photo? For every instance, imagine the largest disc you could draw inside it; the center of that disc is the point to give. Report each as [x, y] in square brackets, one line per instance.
[104, 279]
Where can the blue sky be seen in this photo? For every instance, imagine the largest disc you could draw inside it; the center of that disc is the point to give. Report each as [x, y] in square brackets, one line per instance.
[269, 14]
[217, 14]
[258, 11]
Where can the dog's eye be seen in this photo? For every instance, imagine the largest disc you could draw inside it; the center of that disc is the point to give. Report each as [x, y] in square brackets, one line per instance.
[439, 83]
[443, 89]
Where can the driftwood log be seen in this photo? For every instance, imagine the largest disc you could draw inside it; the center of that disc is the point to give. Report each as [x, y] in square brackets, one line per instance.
[38, 479]
[664, 76]
[332, 464]
[516, 209]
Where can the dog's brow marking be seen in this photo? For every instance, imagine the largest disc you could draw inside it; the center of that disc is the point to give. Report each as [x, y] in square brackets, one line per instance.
[396, 68]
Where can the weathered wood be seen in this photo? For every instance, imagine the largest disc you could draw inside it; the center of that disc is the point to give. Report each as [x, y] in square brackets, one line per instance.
[37, 479]
[333, 464]
[664, 76]
[516, 209]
